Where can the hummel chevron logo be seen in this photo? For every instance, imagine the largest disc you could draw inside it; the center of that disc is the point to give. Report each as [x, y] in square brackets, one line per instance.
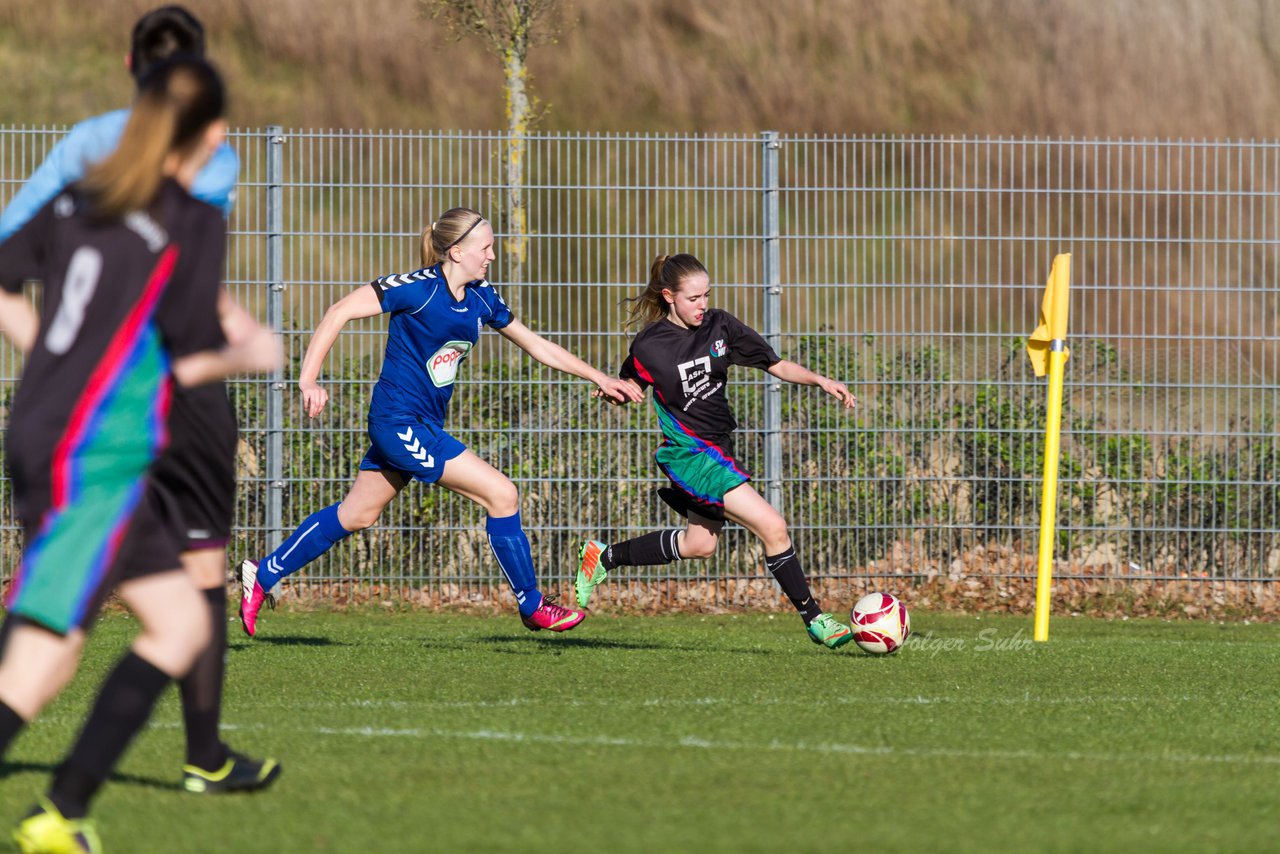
[415, 449]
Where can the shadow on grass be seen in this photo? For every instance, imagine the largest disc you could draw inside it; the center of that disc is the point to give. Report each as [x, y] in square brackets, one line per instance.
[287, 640]
[571, 642]
[9, 768]
[543, 643]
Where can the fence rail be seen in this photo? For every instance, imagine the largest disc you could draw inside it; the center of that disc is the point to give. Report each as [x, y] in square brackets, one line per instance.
[909, 267]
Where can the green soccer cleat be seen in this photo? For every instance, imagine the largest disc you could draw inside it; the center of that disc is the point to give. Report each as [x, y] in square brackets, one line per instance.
[46, 831]
[830, 631]
[239, 774]
[590, 572]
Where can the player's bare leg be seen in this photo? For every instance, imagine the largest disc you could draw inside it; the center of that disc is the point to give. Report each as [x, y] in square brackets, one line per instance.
[748, 508]
[473, 478]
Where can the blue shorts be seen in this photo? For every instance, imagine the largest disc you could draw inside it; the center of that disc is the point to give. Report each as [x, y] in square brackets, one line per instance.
[416, 450]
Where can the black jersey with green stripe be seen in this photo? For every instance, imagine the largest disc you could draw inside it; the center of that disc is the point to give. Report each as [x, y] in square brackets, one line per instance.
[689, 368]
[120, 299]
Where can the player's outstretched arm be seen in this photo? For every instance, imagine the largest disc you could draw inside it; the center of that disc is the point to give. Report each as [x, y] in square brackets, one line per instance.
[554, 356]
[18, 321]
[251, 348]
[800, 375]
[236, 322]
[362, 302]
[257, 353]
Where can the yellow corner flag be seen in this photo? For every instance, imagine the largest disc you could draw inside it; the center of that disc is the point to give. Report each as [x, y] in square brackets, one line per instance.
[1048, 351]
[1053, 316]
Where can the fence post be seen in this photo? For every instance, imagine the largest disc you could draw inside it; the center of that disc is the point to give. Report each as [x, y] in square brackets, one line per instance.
[772, 330]
[275, 319]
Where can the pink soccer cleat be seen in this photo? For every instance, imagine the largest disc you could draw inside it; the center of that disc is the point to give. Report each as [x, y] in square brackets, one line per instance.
[252, 596]
[552, 617]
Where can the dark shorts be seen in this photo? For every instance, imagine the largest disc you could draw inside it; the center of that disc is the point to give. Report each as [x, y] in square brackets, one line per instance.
[199, 467]
[417, 451]
[77, 554]
[701, 474]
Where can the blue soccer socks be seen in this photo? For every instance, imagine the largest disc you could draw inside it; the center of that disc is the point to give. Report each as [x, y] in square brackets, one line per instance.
[322, 530]
[511, 548]
[314, 537]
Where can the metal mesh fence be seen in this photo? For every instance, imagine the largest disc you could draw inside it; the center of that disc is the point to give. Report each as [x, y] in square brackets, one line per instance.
[910, 268]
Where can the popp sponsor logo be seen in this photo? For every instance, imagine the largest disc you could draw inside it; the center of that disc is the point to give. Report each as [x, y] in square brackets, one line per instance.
[442, 367]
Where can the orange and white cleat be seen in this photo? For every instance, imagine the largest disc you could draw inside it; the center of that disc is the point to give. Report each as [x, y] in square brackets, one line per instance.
[590, 571]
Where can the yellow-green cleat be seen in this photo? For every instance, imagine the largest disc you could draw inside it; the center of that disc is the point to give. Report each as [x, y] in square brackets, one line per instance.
[47, 831]
[829, 631]
[239, 774]
[590, 572]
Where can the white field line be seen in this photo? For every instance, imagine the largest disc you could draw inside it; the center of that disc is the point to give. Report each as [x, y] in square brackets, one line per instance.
[690, 742]
[736, 702]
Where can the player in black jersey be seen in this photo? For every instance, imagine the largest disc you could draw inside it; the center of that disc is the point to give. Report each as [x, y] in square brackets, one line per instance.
[198, 468]
[684, 353]
[131, 267]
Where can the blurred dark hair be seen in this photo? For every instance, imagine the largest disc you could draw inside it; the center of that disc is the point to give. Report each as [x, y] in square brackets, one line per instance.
[162, 34]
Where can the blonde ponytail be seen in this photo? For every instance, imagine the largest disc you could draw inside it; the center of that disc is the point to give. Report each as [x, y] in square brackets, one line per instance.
[128, 178]
[429, 258]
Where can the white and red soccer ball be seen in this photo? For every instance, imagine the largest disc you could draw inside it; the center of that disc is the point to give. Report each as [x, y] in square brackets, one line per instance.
[881, 623]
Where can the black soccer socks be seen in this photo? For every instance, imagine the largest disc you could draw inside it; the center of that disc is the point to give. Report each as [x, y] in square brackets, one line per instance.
[201, 690]
[123, 706]
[786, 569]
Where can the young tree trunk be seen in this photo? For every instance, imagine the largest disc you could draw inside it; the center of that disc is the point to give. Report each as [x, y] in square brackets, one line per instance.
[518, 127]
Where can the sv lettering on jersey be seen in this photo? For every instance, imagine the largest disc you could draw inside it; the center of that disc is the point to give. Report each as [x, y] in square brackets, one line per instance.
[442, 367]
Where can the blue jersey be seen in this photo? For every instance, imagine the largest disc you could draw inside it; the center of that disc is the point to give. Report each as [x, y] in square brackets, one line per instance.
[92, 140]
[429, 336]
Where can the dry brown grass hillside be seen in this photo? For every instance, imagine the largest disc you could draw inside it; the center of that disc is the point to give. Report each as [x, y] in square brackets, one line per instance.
[1171, 68]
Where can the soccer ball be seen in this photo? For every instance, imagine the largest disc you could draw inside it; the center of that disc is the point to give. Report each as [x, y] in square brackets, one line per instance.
[880, 623]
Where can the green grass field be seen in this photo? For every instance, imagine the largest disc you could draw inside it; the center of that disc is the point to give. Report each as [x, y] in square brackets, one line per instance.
[425, 732]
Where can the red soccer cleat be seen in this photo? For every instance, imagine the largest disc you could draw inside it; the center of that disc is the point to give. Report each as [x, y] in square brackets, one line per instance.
[252, 596]
[552, 617]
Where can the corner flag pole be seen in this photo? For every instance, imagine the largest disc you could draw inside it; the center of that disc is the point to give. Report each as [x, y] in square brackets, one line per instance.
[1047, 348]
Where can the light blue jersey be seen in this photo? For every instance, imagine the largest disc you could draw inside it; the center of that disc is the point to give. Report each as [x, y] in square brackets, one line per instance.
[429, 336]
[92, 140]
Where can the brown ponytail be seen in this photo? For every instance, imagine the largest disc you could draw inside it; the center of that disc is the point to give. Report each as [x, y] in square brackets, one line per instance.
[177, 101]
[447, 232]
[666, 273]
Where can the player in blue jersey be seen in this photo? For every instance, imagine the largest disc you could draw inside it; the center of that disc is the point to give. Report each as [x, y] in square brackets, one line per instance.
[199, 465]
[436, 316]
[684, 353]
[130, 266]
